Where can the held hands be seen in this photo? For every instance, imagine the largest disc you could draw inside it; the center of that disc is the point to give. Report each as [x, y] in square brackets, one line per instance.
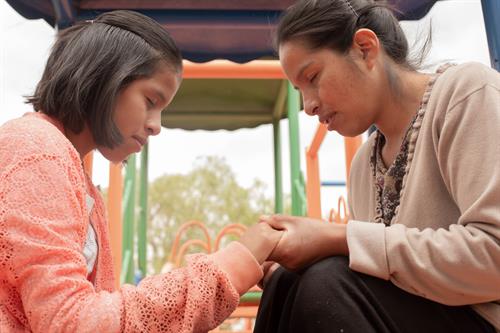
[293, 242]
[305, 241]
[261, 239]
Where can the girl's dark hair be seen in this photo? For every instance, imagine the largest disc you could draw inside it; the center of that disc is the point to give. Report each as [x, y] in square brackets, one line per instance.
[332, 24]
[92, 61]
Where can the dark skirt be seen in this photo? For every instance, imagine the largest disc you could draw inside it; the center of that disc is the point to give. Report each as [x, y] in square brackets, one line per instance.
[330, 297]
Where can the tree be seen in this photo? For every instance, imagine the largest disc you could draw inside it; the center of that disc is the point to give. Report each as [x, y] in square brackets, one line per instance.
[208, 193]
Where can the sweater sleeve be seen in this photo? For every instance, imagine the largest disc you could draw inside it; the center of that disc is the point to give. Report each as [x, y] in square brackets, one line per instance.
[458, 265]
[42, 228]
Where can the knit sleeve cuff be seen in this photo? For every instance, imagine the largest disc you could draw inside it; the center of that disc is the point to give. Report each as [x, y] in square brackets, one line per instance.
[240, 265]
[367, 251]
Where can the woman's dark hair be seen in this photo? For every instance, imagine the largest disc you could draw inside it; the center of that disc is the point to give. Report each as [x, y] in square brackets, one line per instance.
[332, 24]
[92, 61]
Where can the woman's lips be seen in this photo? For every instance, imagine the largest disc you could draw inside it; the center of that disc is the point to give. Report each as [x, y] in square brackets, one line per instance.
[331, 121]
[328, 120]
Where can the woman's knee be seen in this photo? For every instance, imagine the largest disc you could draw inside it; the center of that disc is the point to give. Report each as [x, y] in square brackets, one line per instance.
[324, 280]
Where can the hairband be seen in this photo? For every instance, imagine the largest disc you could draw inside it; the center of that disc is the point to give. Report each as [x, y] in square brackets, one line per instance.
[352, 8]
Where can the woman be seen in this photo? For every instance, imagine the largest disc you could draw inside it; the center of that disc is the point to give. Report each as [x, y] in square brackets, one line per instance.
[421, 252]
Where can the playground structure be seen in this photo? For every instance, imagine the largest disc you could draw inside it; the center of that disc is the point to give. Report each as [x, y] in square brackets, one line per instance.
[124, 247]
[287, 96]
[313, 185]
[247, 310]
[225, 24]
[236, 31]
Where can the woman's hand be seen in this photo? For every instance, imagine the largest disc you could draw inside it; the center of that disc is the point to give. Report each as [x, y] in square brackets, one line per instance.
[305, 240]
[261, 239]
[268, 267]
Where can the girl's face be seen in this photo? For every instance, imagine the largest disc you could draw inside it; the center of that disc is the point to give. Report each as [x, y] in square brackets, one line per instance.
[334, 87]
[138, 110]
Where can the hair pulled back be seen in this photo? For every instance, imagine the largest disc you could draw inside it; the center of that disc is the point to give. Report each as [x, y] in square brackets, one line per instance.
[333, 23]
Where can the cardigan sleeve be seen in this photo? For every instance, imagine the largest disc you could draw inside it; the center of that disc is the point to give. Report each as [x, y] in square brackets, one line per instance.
[458, 265]
[43, 221]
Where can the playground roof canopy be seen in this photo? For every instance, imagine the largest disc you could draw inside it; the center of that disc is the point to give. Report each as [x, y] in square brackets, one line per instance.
[239, 31]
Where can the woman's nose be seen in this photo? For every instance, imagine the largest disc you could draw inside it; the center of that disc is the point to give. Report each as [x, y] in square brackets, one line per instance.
[311, 105]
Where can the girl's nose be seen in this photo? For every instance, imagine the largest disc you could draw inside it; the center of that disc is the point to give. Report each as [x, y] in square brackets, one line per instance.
[153, 125]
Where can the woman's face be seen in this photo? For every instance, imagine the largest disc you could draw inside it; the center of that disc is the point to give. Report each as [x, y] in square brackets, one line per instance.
[334, 87]
[138, 109]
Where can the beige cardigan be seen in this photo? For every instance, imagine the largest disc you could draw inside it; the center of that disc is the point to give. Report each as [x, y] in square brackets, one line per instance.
[444, 242]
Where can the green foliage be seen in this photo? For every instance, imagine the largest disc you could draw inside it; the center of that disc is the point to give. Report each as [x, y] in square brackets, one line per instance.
[208, 193]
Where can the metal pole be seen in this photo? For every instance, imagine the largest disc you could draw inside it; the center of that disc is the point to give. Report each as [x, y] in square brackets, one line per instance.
[143, 215]
[128, 213]
[224, 69]
[278, 180]
[293, 99]
[491, 14]
[279, 110]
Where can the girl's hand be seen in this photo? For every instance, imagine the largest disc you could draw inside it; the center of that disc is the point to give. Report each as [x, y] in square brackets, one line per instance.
[305, 240]
[261, 239]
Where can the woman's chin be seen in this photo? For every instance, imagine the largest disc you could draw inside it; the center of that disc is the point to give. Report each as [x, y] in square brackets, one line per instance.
[350, 132]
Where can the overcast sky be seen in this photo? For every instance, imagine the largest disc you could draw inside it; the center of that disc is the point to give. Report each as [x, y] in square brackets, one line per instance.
[458, 35]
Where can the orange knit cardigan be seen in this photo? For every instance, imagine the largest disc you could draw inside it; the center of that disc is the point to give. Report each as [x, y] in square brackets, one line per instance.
[43, 277]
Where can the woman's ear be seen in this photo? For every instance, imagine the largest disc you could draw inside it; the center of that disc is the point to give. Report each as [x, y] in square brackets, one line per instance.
[366, 44]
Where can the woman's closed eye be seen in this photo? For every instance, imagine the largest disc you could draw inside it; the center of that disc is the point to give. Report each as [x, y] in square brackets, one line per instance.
[312, 78]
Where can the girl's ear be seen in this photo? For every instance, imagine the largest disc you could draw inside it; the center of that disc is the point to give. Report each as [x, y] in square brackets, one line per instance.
[367, 45]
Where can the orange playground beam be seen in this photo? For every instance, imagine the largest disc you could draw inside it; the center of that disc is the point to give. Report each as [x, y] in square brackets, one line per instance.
[313, 185]
[231, 229]
[312, 167]
[183, 229]
[224, 69]
[351, 147]
[115, 191]
[217, 69]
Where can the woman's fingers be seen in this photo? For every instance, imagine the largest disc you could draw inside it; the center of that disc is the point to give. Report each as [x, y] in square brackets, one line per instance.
[268, 267]
[280, 222]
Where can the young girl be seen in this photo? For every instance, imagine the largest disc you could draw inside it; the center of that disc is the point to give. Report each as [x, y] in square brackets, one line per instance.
[421, 252]
[104, 87]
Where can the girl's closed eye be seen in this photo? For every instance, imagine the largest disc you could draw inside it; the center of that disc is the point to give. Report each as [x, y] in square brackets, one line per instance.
[150, 103]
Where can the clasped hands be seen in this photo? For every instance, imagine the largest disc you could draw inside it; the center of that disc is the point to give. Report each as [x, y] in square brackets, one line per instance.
[293, 242]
